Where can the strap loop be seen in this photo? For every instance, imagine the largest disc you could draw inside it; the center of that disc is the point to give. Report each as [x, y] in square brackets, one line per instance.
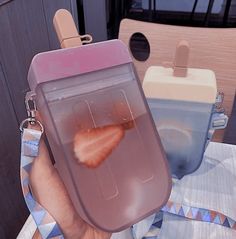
[32, 121]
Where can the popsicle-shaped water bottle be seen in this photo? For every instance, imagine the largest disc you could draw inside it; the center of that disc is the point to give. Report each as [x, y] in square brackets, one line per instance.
[182, 102]
[101, 133]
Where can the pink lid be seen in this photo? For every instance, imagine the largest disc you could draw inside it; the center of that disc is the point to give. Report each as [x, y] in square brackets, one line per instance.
[65, 61]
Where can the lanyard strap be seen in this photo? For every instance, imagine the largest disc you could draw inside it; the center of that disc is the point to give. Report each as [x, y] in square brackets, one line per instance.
[192, 213]
[199, 214]
[184, 211]
[45, 223]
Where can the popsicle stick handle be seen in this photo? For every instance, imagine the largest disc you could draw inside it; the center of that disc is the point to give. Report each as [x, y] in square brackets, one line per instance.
[180, 64]
[66, 30]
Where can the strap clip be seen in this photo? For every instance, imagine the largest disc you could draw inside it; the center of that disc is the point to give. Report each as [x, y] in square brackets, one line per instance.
[31, 107]
[219, 102]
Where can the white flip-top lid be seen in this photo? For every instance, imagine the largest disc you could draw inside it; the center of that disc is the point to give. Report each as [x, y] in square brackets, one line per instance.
[180, 82]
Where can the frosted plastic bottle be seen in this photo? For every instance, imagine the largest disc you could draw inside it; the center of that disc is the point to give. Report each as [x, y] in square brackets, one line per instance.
[181, 100]
[95, 87]
[182, 110]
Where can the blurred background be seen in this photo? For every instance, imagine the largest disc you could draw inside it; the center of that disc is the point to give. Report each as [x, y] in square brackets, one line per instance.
[203, 13]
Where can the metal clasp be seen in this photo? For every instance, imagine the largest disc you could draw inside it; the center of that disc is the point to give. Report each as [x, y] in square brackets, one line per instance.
[31, 107]
[219, 102]
[219, 121]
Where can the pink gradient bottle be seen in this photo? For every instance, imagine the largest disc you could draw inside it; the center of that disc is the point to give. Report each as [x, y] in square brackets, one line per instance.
[89, 91]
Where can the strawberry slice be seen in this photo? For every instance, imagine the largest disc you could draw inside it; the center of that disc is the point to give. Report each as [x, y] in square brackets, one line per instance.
[93, 146]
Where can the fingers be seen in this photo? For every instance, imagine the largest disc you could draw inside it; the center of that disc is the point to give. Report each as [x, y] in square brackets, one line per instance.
[50, 192]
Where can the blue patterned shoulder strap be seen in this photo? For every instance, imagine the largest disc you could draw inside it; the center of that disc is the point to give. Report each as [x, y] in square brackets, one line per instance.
[45, 223]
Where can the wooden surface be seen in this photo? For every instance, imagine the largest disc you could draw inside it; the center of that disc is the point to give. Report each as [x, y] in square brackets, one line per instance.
[210, 48]
[25, 29]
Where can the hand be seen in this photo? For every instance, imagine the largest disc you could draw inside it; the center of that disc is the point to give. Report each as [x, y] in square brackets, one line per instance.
[50, 192]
